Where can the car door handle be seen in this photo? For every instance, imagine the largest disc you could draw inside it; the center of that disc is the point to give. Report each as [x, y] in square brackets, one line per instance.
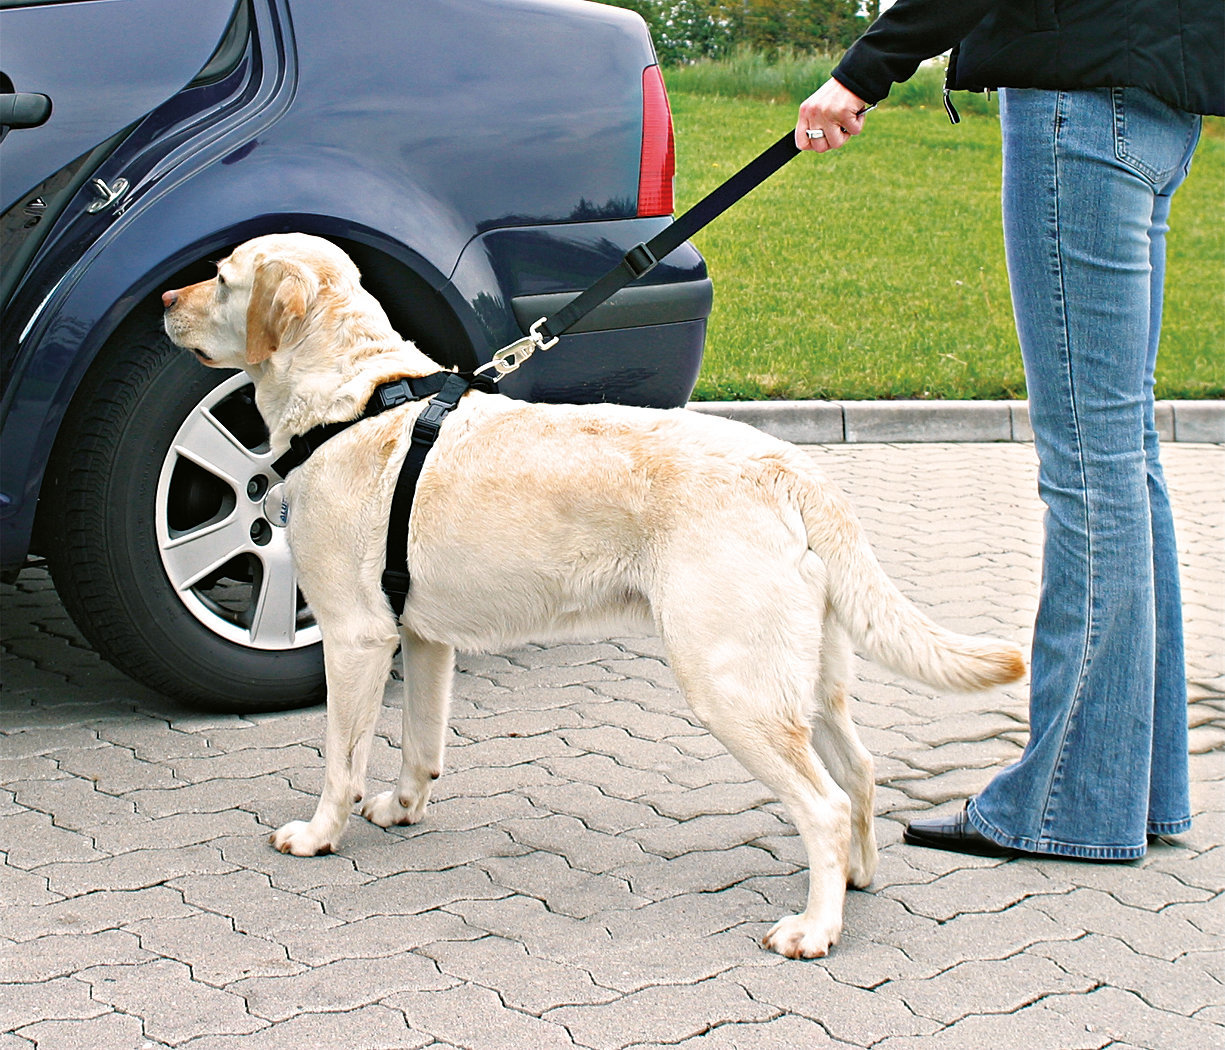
[23, 109]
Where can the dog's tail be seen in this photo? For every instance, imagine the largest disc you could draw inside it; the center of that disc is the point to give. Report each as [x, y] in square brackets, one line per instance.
[881, 621]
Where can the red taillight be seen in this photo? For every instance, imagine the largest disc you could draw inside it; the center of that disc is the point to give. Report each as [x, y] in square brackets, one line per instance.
[658, 163]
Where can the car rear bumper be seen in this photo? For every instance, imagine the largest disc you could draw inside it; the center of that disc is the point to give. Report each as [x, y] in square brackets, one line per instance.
[643, 346]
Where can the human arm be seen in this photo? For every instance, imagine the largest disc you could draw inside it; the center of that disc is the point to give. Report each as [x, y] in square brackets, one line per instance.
[905, 35]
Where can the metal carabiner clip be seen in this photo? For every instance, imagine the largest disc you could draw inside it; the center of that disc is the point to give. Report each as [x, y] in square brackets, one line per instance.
[510, 357]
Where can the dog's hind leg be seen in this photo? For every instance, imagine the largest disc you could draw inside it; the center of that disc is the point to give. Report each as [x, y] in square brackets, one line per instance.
[357, 671]
[428, 670]
[774, 744]
[835, 739]
[744, 649]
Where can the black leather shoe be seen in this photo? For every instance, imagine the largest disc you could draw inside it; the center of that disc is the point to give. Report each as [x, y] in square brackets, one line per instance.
[955, 834]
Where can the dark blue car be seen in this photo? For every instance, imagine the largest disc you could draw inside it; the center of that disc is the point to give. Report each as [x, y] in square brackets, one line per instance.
[481, 160]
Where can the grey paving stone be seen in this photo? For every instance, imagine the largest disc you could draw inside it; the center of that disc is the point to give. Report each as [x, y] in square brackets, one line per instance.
[981, 987]
[179, 829]
[666, 956]
[376, 937]
[62, 955]
[522, 981]
[407, 894]
[24, 888]
[568, 837]
[982, 935]
[422, 848]
[1161, 936]
[665, 1014]
[1127, 1018]
[91, 912]
[217, 954]
[968, 890]
[61, 999]
[136, 870]
[853, 1015]
[253, 852]
[346, 984]
[472, 1018]
[527, 921]
[784, 1031]
[374, 1027]
[1032, 1027]
[172, 1006]
[32, 840]
[73, 803]
[704, 872]
[595, 809]
[712, 832]
[95, 1033]
[1184, 986]
[693, 914]
[563, 889]
[252, 902]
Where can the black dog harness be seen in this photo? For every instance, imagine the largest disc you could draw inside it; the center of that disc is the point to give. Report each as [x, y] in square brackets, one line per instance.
[446, 389]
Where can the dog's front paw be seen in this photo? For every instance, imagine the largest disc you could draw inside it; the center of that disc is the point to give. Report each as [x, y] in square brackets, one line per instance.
[801, 937]
[297, 837]
[390, 808]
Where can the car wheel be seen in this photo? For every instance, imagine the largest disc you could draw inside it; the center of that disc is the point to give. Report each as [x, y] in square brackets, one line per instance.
[165, 543]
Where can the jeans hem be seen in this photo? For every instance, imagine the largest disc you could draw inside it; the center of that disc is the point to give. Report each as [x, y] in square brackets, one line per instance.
[1052, 847]
[1169, 827]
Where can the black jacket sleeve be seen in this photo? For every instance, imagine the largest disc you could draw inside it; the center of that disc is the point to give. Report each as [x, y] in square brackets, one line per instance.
[909, 32]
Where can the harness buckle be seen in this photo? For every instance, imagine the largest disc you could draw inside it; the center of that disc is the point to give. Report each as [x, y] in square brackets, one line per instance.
[510, 357]
[394, 394]
[429, 422]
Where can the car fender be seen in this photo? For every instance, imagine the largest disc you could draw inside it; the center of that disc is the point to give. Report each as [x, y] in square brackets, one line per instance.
[125, 268]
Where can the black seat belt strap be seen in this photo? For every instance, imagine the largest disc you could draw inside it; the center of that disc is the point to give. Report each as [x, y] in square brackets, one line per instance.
[643, 257]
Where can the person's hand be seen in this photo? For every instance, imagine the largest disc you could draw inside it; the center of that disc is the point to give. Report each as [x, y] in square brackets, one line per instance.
[833, 111]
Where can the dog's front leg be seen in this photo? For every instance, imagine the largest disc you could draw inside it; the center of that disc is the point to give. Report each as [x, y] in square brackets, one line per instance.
[428, 670]
[356, 676]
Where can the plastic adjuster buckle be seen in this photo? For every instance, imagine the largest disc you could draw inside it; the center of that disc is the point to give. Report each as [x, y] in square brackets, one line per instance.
[394, 394]
[639, 260]
[429, 423]
[395, 583]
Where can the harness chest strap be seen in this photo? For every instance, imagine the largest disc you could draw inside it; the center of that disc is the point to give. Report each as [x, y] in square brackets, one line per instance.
[447, 388]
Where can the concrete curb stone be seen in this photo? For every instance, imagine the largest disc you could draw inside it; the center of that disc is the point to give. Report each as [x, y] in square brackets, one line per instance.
[858, 422]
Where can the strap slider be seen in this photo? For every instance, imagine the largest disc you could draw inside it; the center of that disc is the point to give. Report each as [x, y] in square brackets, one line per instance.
[396, 583]
[639, 260]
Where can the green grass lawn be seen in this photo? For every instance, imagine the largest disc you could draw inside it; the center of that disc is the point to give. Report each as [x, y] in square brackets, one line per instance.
[877, 271]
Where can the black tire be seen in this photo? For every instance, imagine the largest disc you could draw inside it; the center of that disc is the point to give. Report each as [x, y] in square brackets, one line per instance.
[158, 454]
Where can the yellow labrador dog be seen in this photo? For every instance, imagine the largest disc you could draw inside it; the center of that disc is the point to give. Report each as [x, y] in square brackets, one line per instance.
[546, 522]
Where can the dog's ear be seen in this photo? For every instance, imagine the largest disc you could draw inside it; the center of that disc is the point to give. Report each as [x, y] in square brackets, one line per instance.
[280, 297]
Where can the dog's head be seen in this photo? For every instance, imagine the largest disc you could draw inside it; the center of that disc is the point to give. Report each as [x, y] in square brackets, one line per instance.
[268, 294]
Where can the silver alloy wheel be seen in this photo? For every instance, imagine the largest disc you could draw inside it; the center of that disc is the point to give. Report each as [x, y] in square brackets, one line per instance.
[226, 560]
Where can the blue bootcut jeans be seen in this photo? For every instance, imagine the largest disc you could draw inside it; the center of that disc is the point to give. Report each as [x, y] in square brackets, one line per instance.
[1088, 177]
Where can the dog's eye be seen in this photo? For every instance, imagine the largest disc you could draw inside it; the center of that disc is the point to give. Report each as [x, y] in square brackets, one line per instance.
[221, 279]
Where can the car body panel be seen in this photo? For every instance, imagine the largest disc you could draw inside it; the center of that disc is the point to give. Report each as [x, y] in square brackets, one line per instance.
[77, 54]
[482, 205]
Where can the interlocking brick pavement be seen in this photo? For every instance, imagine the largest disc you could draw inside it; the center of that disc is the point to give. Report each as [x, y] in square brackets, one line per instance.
[594, 870]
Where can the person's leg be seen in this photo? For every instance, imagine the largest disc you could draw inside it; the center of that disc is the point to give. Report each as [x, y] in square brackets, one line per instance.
[1169, 807]
[1082, 173]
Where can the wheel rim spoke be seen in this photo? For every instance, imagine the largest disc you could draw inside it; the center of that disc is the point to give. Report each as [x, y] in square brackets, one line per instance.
[230, 567]
[195, 554]
[274, 620]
